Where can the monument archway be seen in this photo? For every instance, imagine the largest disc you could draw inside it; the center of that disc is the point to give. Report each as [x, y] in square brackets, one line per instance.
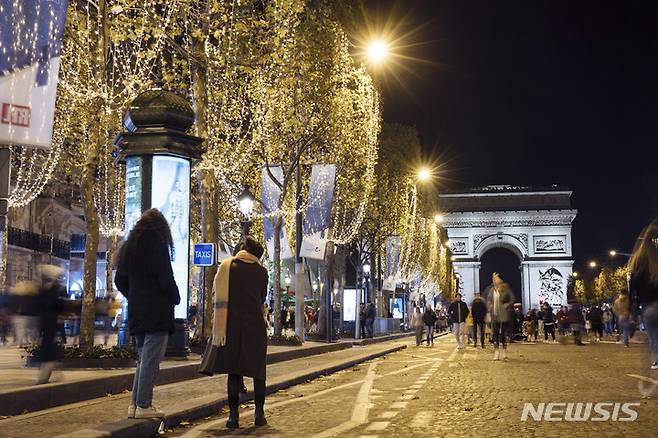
[534, 224]
[507, 264]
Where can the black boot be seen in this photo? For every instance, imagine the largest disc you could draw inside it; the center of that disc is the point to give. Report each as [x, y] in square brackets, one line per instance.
[233, 417]
[233, 389]
[259, 399]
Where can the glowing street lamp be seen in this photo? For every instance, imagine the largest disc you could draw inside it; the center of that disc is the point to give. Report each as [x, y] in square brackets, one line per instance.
[574, 274]
[612, 253]
[377, 51]
[438, 218]
[593, 264]
[424, 174]
[246, 206]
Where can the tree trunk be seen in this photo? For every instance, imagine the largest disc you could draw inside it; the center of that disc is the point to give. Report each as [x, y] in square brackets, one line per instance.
[206, 184]
[278, 225]
[91, 219]
[109, 264]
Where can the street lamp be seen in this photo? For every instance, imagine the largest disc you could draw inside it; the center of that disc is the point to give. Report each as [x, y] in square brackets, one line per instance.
[438, 218]
[424, 174]
[574, 274]
[377, 51]
[246, 205]
[613, 253]
[593, 264]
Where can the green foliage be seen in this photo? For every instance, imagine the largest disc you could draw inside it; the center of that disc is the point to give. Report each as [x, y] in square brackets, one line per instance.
[95, 352]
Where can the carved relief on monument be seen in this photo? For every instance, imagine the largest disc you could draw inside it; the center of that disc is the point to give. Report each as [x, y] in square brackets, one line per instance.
[550, 244]
[459, 245]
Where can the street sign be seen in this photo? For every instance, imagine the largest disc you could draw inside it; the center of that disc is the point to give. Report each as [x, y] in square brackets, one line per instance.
[204, 254]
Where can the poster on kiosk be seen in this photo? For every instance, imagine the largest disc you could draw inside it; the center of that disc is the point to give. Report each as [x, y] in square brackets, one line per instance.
[30, 47]
[170, 193]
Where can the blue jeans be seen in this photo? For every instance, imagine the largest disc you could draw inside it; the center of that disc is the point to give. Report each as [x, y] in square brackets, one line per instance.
[650, 317]
[151, 348]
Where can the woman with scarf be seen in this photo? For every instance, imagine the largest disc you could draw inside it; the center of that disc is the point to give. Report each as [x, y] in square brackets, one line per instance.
[239, 334]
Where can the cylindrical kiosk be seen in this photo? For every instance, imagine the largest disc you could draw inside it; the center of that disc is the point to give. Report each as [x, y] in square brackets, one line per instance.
[158, 155]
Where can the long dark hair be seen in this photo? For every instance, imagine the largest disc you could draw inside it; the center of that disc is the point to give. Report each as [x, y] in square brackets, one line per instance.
[149, 239]
[644, 261]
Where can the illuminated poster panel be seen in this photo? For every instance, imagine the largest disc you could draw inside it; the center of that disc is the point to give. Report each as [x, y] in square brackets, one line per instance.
[170, 193]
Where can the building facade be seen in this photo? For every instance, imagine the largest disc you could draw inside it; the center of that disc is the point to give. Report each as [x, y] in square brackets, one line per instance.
[534, 224]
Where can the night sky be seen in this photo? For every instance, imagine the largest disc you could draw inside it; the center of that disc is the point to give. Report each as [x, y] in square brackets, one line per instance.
[534, 93]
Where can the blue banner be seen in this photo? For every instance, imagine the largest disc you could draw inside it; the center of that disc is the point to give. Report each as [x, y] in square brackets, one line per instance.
[318, 213]
[270, 197]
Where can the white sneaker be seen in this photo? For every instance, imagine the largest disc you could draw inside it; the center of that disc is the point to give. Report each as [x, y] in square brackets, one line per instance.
[496, 354]
[150, 412]
[503, 354]
[654, 366]
[131, 411]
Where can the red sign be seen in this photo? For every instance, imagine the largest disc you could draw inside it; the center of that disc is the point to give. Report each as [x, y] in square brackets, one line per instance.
[16, 115]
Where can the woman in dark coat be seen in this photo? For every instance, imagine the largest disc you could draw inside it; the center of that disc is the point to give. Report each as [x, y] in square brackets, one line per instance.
[644, 283]
[49, 305]
[145, 277]
[245, 347]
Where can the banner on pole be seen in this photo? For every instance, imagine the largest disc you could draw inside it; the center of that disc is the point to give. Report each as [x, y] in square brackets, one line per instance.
[270, 196]
[392, 262]
[30, 47]
[318, 213]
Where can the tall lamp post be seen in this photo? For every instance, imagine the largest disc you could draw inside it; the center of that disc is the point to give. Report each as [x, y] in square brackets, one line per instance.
[246, 205]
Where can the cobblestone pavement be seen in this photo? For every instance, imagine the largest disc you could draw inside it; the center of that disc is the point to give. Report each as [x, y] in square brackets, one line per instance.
[439, 391]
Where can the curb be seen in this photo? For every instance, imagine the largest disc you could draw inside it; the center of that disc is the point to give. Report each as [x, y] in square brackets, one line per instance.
[36, 398]
[385, 338]
[147, 428]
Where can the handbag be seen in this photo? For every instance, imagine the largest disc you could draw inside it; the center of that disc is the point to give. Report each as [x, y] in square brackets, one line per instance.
[207, 366]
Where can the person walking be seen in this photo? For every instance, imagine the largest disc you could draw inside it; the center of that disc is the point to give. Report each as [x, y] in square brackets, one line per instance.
[576, 321]
[622, 308]
[239, 332]
[644, 283]
[562, 320]
[417, 325]
[49, 305]
[500, 304]
[549, 322]
[429, 319]
[371, 313]
[606, 317]
[596, 321]
[145, 277]
[362, 320]
[458, 312]
[479, 312]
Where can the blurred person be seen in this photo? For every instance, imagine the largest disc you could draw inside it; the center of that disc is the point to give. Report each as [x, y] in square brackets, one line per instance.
[5, 319]
[468, 328]
[528, 326]
[102, 308]
[417, 325]
[50, 305]
[25, 320]
[622, 307]
[562, 320]
[595, 316]
[429, 319]
[500, 305]
[146, 279]
[479, 312]
[576, 321]
[371, 314]
[606, 318]
[239, 336]
[644, 283]
[549, 322]
[362, 320]
[458, 312]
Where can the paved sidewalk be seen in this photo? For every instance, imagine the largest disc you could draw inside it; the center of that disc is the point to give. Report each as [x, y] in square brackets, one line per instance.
[190, 399]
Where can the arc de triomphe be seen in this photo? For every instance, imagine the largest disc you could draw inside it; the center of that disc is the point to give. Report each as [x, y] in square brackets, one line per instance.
[534, 224]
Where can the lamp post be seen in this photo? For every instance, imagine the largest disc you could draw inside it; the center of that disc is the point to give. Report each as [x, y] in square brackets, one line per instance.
[246, 205]
[366, 276]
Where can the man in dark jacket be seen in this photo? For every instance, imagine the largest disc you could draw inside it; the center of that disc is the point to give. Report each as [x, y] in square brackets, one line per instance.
[479, 311]
[458, 311]
[429, 319]
[549, 322]
[595, 317]
[371, 313]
